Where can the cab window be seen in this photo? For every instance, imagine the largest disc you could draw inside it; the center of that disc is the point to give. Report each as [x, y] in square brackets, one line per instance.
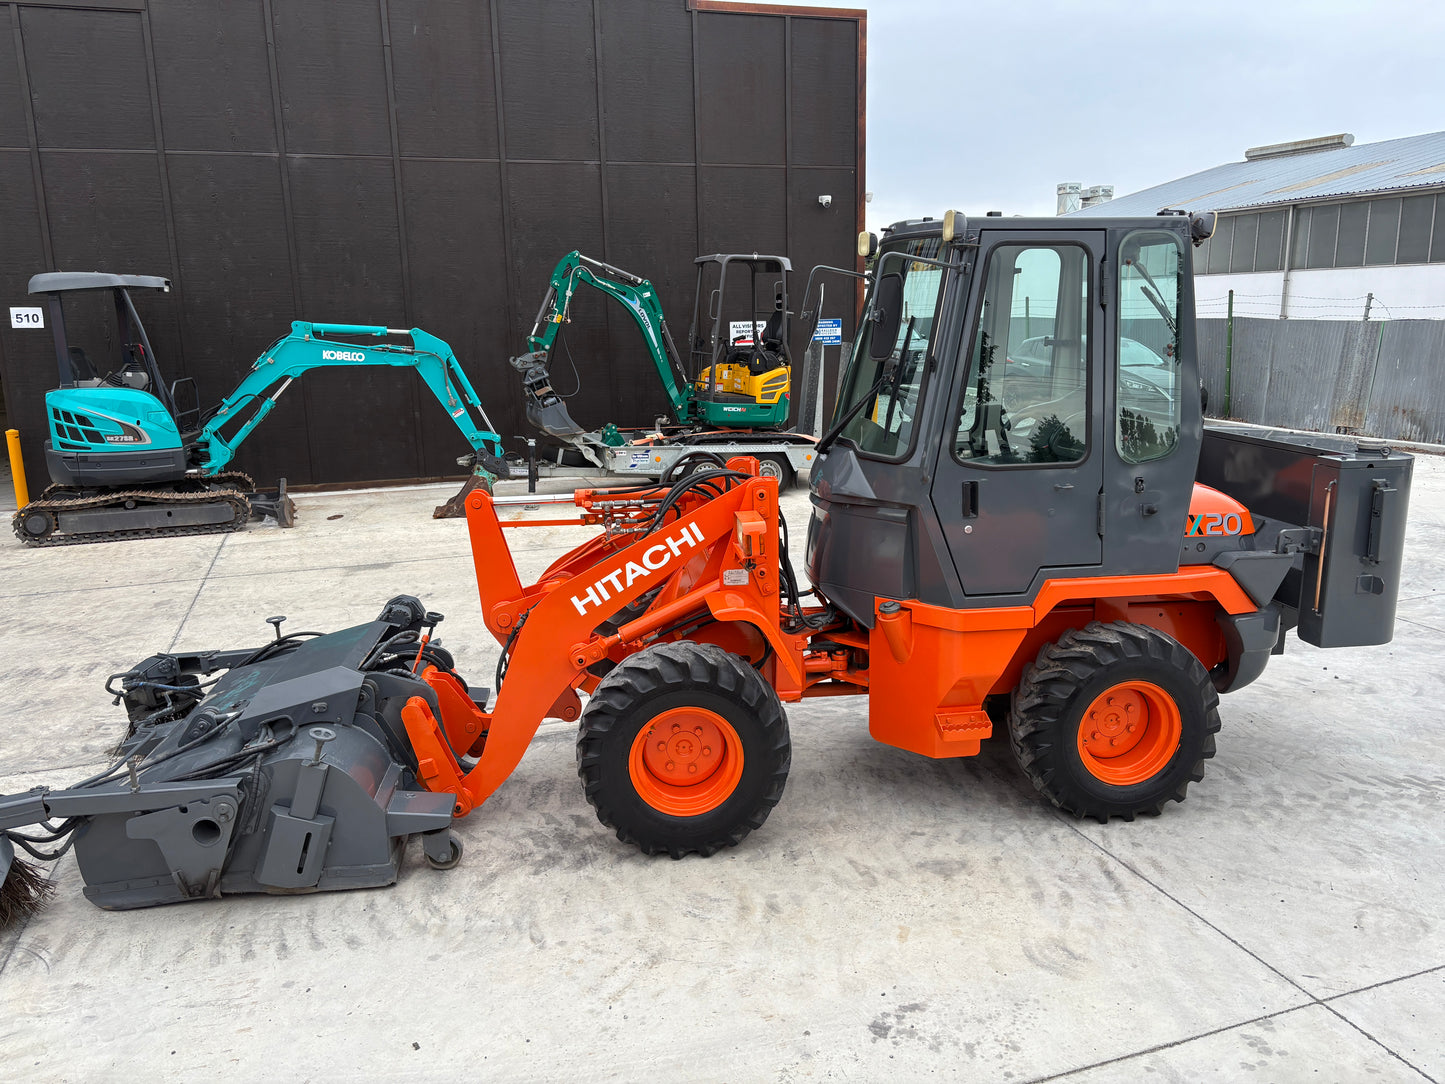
[893, 388]
[1026, 397]
[1149, 394]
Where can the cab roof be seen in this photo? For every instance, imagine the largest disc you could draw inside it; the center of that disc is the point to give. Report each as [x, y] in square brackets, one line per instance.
[57, 282]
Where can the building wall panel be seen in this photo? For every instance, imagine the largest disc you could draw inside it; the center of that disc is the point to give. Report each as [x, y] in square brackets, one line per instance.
[213, 78]
[411, 162]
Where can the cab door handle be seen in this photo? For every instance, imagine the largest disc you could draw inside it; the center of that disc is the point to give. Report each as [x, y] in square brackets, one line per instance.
[970, 500]
[1063, 485]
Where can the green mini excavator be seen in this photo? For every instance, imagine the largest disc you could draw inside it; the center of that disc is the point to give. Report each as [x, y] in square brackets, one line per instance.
[736, 381]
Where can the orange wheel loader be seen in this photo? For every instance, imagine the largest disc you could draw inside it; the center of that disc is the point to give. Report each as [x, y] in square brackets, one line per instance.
[1021, 524]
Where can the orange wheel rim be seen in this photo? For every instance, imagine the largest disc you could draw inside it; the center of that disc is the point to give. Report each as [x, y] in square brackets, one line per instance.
[686, 762]
[1129, 733]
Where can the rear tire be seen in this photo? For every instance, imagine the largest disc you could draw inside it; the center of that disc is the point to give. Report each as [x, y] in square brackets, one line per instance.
[683, 749]
[1114, 720]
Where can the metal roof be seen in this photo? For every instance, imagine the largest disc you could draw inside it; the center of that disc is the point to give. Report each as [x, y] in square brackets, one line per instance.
[1412, 162]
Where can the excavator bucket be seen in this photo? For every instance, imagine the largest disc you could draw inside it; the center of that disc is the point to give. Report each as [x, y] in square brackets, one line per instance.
[486, 469]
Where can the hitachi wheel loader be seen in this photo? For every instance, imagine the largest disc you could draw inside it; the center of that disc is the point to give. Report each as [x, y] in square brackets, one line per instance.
[126, 461]
[1043, 546]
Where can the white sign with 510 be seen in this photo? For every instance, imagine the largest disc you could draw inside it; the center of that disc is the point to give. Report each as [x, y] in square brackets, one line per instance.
[30, 317]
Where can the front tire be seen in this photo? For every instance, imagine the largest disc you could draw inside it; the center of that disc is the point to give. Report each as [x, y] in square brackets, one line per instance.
[683, 749]
[1114, 720]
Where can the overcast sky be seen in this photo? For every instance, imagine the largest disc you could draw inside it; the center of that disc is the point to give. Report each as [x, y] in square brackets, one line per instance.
[987, 106]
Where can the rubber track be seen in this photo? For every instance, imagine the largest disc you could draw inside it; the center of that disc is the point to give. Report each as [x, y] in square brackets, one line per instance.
[671, 666]
[234, 487]
[1062, 667]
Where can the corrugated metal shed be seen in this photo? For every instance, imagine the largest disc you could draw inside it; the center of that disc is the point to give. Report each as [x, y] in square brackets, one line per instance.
[1411, 162]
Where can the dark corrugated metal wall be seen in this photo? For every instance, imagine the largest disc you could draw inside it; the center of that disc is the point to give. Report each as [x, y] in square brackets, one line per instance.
[410, 162]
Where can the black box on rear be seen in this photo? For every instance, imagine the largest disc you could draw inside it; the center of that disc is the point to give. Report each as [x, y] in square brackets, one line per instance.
[1355, 493]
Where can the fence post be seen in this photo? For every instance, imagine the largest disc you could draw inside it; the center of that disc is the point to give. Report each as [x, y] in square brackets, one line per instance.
[1229, 359]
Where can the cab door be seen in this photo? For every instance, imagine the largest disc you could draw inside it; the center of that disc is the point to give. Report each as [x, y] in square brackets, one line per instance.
[1020, 471]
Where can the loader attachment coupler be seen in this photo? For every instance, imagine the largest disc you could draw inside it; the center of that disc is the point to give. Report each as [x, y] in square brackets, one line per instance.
[283, 768]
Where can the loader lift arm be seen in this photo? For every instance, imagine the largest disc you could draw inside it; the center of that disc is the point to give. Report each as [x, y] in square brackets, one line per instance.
[307, 347]
[637, 295]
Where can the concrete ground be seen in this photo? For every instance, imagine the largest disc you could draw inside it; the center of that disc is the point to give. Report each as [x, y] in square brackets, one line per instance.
[895, 918]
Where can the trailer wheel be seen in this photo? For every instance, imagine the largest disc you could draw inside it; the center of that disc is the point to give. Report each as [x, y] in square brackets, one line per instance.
[777, 466]
[1114, 720]
[683, 748]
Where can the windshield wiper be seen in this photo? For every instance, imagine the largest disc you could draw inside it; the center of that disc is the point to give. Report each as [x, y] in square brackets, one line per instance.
[1155, 297]
[827, 439]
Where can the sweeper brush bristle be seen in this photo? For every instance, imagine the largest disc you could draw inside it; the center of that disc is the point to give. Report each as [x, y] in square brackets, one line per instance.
[26, 890]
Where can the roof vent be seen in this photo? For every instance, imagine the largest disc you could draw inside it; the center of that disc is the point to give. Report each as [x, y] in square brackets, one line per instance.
[1300, 146]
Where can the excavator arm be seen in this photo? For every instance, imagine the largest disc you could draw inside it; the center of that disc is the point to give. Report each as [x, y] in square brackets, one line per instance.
[637, 295]
[307, 348]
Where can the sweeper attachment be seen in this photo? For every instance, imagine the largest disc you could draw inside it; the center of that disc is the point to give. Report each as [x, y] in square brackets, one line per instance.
[291, 772]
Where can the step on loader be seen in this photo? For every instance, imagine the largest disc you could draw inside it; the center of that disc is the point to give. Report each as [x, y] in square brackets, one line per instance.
[1043, 545]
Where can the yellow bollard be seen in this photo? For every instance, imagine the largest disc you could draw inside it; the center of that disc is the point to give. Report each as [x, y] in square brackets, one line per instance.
[17, 468]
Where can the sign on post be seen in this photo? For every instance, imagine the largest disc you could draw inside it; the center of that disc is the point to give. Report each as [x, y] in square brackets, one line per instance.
[27, 317]
[829, 332]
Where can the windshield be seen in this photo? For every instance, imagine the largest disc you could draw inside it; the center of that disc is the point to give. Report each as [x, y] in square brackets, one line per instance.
[883, 424]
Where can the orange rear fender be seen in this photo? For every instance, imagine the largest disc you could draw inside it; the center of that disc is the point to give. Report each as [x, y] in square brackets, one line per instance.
[931, 667]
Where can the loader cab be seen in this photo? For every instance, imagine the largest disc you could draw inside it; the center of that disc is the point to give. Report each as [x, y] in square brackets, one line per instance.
[111, 417]
[1012, 413]
[739, 340]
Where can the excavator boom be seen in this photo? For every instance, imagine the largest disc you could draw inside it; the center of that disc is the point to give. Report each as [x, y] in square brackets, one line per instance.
[307, 347]
[635, 294]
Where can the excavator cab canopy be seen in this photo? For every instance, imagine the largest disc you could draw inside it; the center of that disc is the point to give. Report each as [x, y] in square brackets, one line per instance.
[742, 293]
[740, 361]
[128, 358]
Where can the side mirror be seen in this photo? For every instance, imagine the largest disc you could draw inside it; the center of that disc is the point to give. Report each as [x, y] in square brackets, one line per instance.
[1201, 227]
[886, 315]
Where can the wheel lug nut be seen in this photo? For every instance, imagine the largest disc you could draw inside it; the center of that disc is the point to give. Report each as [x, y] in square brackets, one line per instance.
[1113, 741]
[707, 750]
[692, 768]
[1130, 728]
[697, 730]
[671, 766]
[676, 727]
[662, 745]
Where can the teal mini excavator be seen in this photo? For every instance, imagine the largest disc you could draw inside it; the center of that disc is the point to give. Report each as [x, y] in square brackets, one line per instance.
[126, 462]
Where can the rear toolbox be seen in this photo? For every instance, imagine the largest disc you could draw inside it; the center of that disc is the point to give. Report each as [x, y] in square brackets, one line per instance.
[1351, 495]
